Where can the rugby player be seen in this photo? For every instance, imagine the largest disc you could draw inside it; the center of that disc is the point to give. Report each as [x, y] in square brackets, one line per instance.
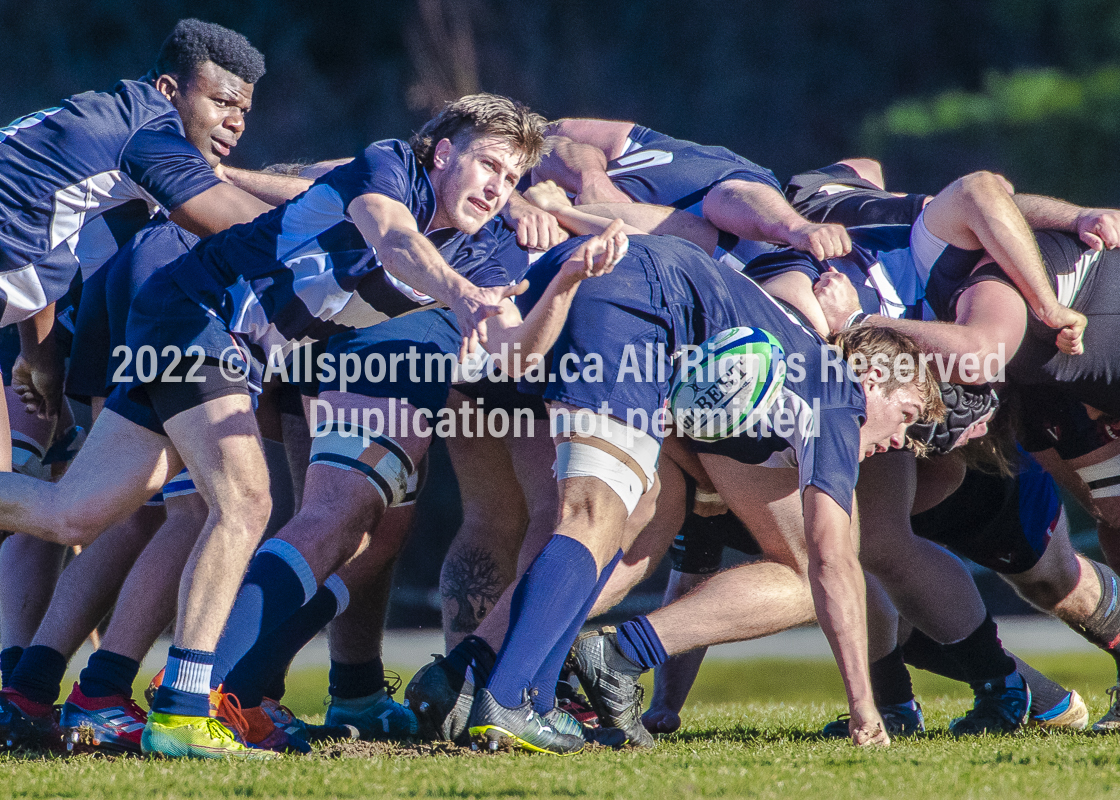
[200, 88]
[600, 489]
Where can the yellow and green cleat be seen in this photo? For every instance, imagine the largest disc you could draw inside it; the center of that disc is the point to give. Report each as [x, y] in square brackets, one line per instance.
[194, 737]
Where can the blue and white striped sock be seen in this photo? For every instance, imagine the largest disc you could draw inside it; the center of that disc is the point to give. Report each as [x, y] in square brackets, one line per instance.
[185, 690]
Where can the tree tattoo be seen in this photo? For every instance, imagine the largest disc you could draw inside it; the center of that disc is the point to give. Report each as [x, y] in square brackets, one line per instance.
[472, 579]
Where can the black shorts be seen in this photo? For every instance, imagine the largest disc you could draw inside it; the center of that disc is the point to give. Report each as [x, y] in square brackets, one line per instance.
[698, 547]
[998, 522]
[151, 404]
[837, 194]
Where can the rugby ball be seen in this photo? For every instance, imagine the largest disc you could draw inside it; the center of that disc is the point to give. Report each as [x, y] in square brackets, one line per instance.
[740, 374]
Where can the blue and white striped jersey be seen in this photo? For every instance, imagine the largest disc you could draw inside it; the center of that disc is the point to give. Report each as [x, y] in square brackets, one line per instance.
[304, 272]
[79, 180]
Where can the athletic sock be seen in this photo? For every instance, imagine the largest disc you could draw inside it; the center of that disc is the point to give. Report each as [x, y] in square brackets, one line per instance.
[925, 653]
[352, 681]
[1102, 628]
[9, 658]
[107, 674]
[639, 642]
[548, 599]
[38, 676]
[543, 687]
[981, 655]
[279, 581]
[252, 676]
[1047, 696]
[890, 680]
[185, 690]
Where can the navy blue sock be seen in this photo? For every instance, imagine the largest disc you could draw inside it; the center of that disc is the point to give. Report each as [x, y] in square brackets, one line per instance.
[185, 690]
[640, 643]
[351, 681]
[9, 657]
[250, 678]
[108, 674]
[548, 598]
[38, 676]
[543, 688]
[278, 583]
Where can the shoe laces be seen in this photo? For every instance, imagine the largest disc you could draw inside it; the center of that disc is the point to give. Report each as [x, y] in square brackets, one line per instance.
[393, 682]
[133, 708]
[218, 731]
[1114, 693]
[229, 709]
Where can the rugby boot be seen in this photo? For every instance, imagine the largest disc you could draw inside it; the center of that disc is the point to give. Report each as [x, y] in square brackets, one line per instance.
[1000, 707]
[110, 724]
[566, 722]
[568, 699]
[283, 717]
[377, 717]
[1110, 722]
[27, 724]
[899, 721]
[611, 682]
[194, 737]
[1069, 715]
[493, 726]
[264, 734]
[441, 693]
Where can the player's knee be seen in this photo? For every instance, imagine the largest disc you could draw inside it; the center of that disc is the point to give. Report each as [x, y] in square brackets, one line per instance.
[982, 186]
[622, 457]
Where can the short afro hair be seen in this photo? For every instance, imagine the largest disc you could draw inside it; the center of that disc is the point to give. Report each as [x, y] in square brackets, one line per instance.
[194, 42]
[483, 115]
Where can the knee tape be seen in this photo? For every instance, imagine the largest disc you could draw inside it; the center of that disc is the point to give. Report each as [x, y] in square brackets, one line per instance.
[596, 446]
[341, 446]
[1103, 479]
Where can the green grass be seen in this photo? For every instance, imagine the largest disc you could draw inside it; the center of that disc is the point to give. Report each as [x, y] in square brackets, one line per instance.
[749, 732]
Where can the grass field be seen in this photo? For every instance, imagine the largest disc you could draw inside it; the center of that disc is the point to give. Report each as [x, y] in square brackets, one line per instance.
[749, 732]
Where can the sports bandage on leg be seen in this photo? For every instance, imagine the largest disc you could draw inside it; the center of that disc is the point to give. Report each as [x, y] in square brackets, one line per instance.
[28, 456]
[340, 445]
[1103, 479]
[596, 446]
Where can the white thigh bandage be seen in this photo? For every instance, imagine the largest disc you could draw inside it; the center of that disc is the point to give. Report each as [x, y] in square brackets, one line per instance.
[342, 446]
[596, 446]
[925, 248]
[27, 457]
[1103, 479]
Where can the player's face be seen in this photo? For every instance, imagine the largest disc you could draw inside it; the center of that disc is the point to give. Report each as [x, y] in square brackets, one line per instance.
[473, 181]
[212, 104]
[887, 418]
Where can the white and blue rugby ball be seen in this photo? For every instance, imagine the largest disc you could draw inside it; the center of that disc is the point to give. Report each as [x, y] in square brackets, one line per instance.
[740, 374]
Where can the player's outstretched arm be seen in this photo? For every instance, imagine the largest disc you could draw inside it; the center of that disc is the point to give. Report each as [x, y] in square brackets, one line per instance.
[389, 228]
[218, 208]
[535, 335]
[840, 598]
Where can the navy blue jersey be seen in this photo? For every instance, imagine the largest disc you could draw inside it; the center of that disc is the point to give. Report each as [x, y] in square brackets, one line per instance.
[304, 271]
[106, 298]
[667, 293]
[62, 169]
[665, 171]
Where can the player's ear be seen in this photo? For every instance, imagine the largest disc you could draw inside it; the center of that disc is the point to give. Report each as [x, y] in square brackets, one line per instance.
[167, 85]
[441, 156]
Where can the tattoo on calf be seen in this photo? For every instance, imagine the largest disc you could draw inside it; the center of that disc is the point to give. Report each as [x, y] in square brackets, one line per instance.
[473, 581]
